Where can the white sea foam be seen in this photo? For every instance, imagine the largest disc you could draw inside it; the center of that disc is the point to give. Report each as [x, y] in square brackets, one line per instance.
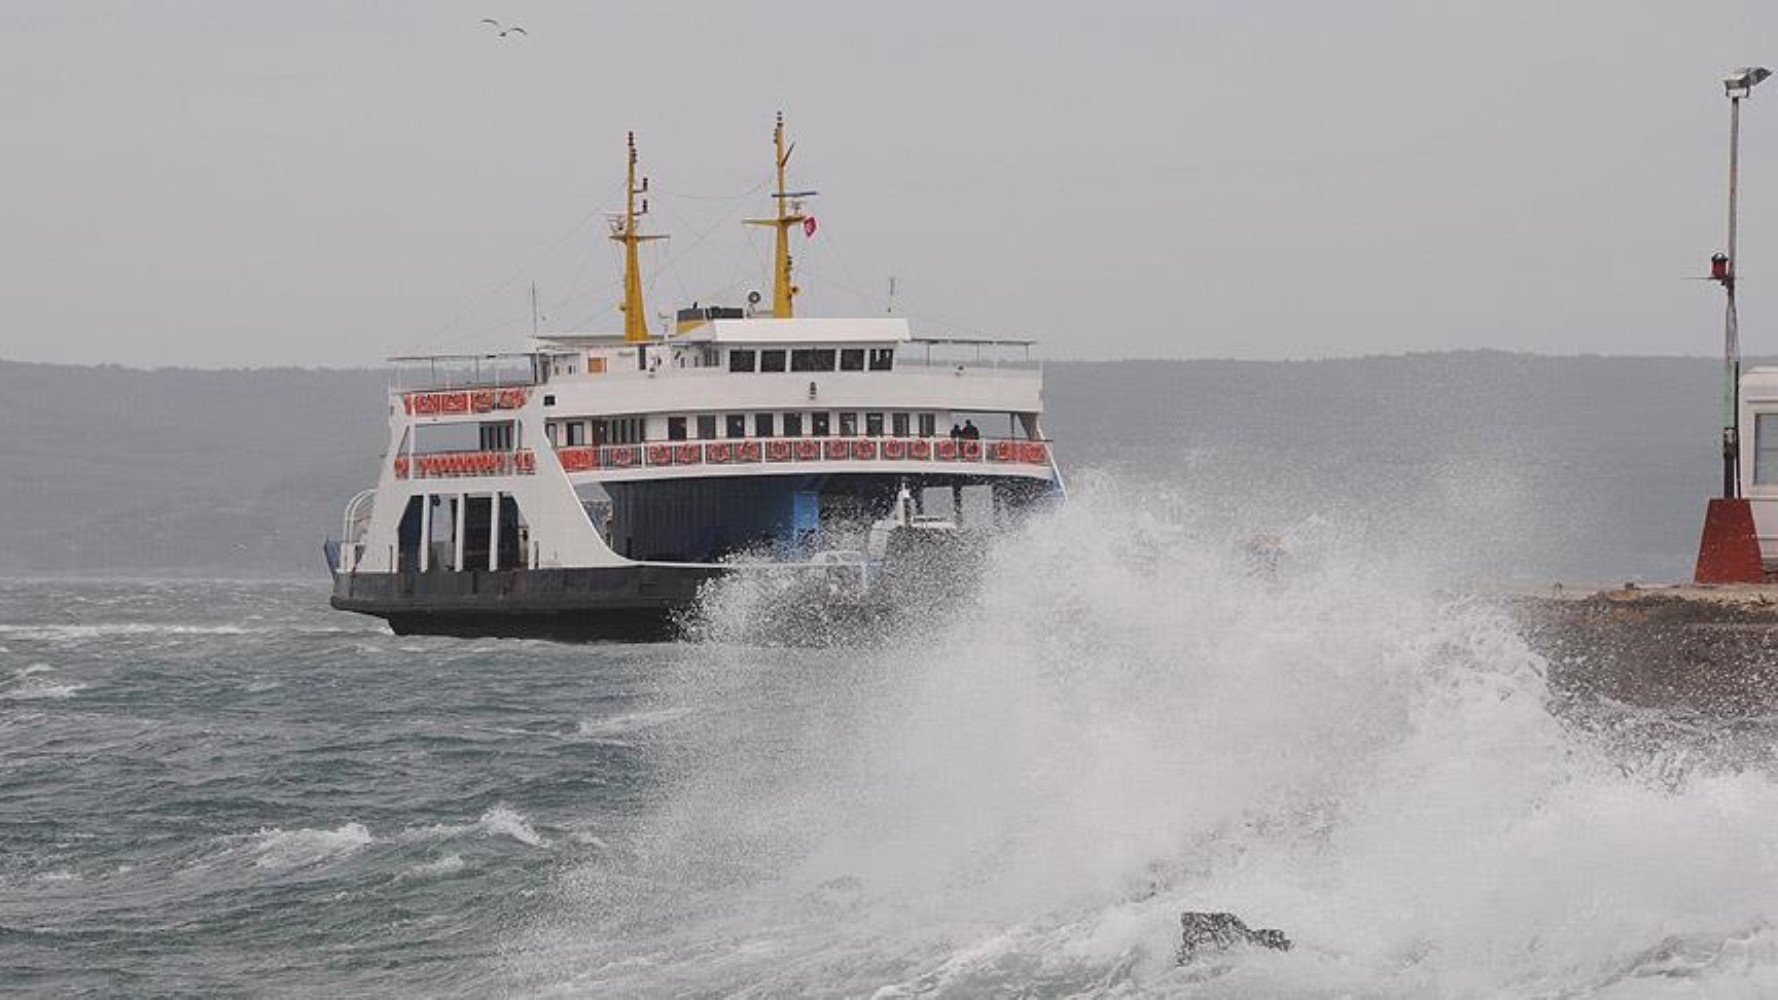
[505, 822]
[1129, 722]
[63, 633]
[450, 864]
[630, 723]
[282, 849]
[39, 691]
[500, 821]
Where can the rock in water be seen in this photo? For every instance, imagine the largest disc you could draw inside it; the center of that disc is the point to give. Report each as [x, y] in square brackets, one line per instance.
[1215, 933]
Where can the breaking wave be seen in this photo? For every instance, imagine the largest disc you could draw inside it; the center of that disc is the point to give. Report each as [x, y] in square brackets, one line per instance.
[1133, 717]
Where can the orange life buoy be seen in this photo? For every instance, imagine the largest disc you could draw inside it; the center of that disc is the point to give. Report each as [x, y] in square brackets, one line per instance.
[623, 457]
[835, 449]
[1004, 451]
[689, 454]
[1036, 452]
[717, 452]
[660, 454]
[747, 451]
[972, 451]
[401, 467]
[777, 451]
[945, 450]
[482, 400]
[920, 448]
[864, 449]
[894, 449]
[807, 450]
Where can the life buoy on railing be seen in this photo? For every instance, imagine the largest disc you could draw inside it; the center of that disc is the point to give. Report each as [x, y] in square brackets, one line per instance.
[453, 402]
[718, 452]
[972, 450]
[525, 461]
[808, 450]
[1036, 453]
[864, 449]
[835, 449]
[401, 467]
[945, 450]
[622, 456]
[660, 454]
[894, 449]
[1004, 451]
[688, 454]
[920, 448]
[510, 399]
[777, 451]
[482, 400]
[747, 451]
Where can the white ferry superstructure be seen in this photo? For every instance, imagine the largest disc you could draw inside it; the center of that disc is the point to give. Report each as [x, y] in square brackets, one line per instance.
[590, 485]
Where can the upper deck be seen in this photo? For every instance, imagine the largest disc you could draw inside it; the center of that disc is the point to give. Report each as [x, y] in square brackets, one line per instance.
[749, 363]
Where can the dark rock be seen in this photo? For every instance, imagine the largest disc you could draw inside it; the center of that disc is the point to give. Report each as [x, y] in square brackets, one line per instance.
[1214, 933]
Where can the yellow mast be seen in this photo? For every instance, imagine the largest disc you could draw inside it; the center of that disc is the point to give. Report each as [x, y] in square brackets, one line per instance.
[789, 214]
[624, 231]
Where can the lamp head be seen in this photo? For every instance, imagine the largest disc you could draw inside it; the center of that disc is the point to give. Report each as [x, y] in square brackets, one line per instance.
[1738, 83]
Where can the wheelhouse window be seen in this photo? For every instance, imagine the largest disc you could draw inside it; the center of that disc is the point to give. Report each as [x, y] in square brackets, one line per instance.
[882, 359]
[818, 424]
[740, 359]
[848, 425]
[793, 425]
[928, 424]
[735, 425]
[852, 359]
[898, 424]
[576, 433]
[762, 425]
[771, 361]
[812, 359]
[553, 431]
[706, 426]
[873, 424]
[1765, 449]
[676, 428]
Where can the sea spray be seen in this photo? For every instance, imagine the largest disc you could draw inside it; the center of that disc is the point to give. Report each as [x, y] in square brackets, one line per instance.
[1126, 720]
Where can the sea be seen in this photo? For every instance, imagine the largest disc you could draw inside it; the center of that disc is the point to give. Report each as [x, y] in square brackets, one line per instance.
[224, 788]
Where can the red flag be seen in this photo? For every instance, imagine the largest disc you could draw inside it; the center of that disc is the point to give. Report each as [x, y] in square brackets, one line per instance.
[809, 226]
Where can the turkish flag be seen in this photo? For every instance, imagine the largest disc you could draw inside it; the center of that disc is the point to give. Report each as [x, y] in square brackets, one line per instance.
[809, 226]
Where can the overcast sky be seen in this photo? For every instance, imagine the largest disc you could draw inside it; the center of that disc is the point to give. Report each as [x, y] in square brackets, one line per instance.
[328, 183]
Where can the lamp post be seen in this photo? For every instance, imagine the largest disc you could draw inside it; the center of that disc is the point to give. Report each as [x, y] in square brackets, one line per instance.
[1722, 269]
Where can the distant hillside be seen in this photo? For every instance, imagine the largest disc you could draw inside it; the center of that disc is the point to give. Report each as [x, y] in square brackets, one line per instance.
[1522, 466]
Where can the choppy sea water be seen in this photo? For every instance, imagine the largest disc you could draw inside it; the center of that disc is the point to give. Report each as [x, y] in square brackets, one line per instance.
[227, 788]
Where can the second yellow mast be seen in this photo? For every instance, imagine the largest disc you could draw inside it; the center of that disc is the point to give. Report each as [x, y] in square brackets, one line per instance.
[790, 214]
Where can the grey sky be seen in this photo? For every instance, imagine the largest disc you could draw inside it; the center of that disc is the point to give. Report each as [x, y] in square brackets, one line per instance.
[330, 182]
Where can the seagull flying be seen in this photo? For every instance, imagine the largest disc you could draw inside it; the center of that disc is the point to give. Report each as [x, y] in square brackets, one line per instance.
[504, 31]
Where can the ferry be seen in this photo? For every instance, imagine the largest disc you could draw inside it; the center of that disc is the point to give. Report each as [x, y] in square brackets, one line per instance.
[593, 485]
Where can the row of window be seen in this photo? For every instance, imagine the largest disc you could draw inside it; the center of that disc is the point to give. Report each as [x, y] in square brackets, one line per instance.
[709, 426]
[812, 359]
[798, 423]
[620, 430]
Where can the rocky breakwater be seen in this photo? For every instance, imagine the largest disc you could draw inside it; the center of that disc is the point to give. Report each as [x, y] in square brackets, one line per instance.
[1706, 649]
